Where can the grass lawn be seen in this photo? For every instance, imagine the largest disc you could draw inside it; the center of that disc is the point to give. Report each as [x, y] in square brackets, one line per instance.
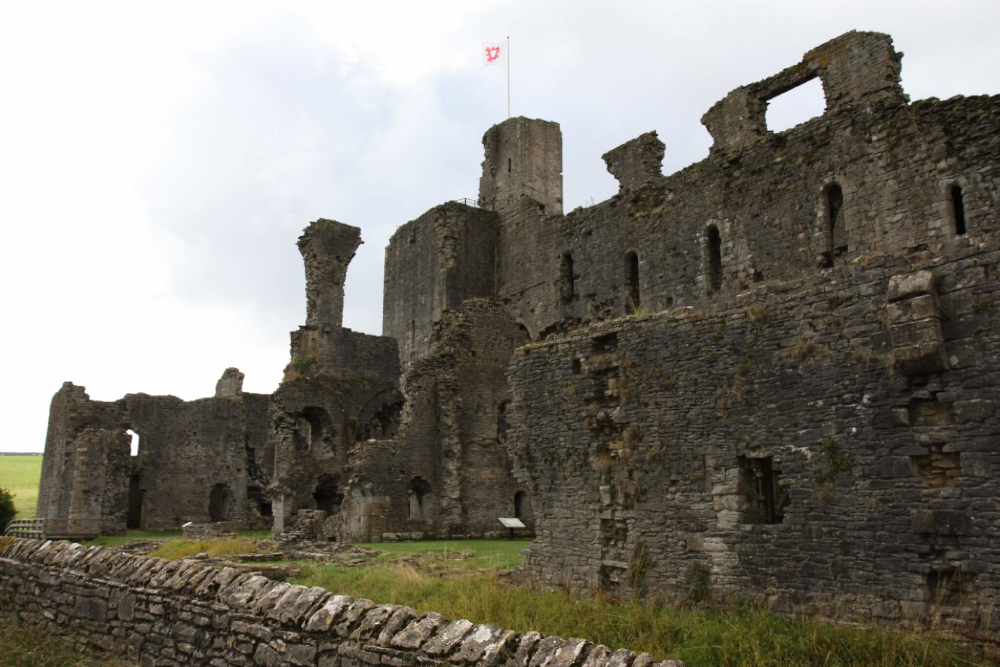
[20, 475]
[491, 554]
[133, 535]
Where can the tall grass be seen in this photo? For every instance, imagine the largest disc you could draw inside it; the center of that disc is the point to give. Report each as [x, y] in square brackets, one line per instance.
[741, 636]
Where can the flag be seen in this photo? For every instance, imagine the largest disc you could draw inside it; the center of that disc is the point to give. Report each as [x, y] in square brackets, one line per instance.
[493, 53]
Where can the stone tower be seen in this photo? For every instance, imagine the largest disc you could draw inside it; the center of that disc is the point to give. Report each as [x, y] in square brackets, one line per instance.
[523, 159]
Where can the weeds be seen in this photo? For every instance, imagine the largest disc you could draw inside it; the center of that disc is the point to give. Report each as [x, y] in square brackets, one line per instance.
[698, 577]
[835, 462]
[801, 351]
[302, 364]
[758, 314]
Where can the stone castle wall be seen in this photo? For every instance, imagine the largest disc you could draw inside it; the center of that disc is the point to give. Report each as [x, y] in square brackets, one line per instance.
[788, 447]
[181, 613]
[432, 265]
[872, 175]
[446, 472]
[188, 451]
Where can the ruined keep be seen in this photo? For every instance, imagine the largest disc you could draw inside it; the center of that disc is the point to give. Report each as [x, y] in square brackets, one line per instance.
[775, 371]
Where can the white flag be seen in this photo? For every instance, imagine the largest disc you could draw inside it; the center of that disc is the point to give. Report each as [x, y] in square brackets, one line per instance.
[493, 53]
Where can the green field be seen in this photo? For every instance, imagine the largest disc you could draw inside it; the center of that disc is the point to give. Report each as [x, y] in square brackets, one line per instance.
[19, 475]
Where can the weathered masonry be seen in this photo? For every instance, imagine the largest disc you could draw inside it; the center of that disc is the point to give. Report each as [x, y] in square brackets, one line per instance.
[201, 460]
[775, 370]
[181, 613]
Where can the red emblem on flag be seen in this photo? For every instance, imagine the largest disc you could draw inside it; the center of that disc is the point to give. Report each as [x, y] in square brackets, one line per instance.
[492, 53]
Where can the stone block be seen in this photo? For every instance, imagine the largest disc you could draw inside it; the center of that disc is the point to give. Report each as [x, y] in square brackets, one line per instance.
[447, 638]
[909, 285]
[418, 632]
[918, 308]
[916, 360]
[976, 410]
[331, 612]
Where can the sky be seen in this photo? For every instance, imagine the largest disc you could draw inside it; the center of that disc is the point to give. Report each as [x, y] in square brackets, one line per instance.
[159, 160]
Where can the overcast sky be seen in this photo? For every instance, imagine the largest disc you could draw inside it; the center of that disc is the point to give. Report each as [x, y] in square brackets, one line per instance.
[158, 162]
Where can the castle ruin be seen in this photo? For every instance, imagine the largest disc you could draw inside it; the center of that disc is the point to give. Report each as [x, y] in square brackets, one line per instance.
[776, 370]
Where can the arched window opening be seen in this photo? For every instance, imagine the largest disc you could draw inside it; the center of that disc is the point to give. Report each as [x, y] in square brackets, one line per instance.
[632, 299]
[838, 227]
[502, 423]
[958, 209]
[417, 499]
[714, 258]
[318, 428]
[134, 447]
[519, 505]
[327, 495]
[567, 288]
[220, 501]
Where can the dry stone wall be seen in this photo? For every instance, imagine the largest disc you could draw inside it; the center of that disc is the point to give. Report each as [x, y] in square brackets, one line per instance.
[829, 444]
[181, 613]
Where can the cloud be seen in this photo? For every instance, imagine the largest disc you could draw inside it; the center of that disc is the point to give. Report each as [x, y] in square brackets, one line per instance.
[159, 162]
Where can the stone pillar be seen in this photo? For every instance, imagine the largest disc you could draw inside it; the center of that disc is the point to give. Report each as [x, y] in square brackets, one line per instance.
[327, 248]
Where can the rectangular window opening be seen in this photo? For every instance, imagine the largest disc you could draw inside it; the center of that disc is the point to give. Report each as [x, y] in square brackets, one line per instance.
[765, 497]
[796, 106]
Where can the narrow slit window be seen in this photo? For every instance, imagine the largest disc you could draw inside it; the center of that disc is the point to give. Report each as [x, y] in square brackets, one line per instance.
[632, 297]
[566, 278]
[508, 165]
[958, 209]
[835, 206]
[714, 258]
[502, 423]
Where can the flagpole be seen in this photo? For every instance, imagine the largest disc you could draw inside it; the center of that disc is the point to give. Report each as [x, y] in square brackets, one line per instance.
[508, 77]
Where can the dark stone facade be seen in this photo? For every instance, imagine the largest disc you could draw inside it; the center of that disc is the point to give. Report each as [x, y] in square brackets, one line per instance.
[197, 461]
[774, 370]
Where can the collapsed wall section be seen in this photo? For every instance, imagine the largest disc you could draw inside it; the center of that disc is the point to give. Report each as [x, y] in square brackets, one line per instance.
[829, 444]
[432, 265]
[446, 472]
[340, 388]
[180, 613]
[872, 176]
[199, 461]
